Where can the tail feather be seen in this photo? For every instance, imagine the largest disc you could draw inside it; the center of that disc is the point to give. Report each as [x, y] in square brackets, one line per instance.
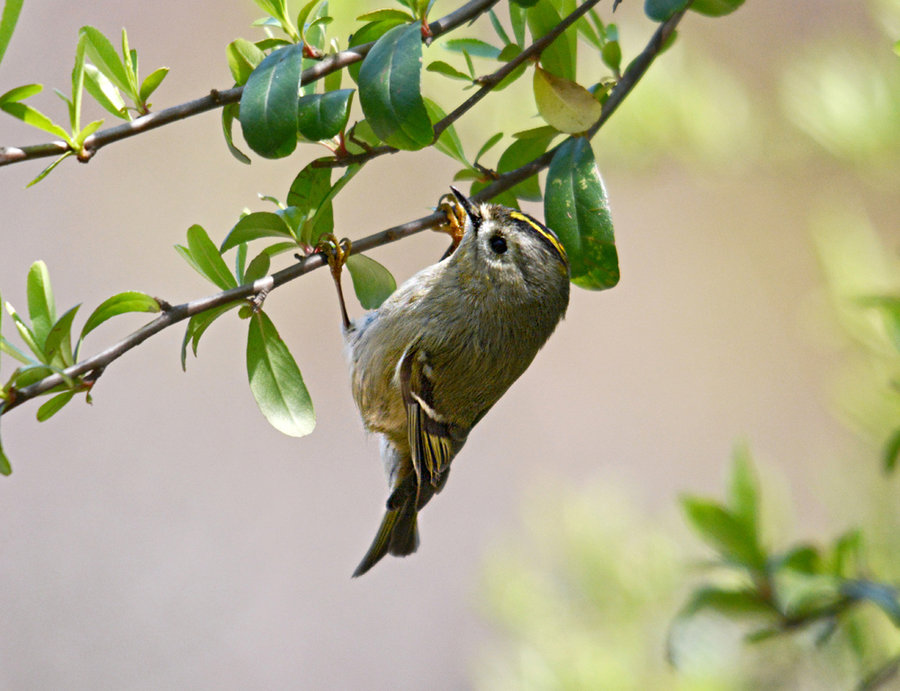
[397, 535]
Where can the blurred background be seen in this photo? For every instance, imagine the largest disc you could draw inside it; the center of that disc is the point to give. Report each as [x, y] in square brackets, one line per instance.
[166, 536]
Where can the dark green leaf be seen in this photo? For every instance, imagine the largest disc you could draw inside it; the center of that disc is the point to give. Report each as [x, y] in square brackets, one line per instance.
[727, 602]
[152, 82]
[121, 303]
[322, 116]
[661, 10]
[8, 19]
[498, 28]
[559, 56]
[58, 347]
[207, 258]
[29, 374]
[275, 380]
[101, 52]
[803, 558]
[716, 8]
[368, 33]
[472, 46]
[443, 68]
[268, 109]
[41, 303]
[520, 152]
[575, 208]
[448, 143]
[54, 405]
[323, 220]
[310, 194]
[509, 52]
[723, 531]
[5, 467]
[243, 58]
[259, 224]
[198, 324]
[389, 89]
[229, 114]
[257, 268]
[399, 16]
[372, 283]
[517, 20]
[612, 55]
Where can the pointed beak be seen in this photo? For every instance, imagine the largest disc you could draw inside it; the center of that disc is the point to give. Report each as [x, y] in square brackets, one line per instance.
[471, 211]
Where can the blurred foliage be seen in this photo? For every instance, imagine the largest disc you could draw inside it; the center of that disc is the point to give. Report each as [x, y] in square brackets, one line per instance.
[584, 602]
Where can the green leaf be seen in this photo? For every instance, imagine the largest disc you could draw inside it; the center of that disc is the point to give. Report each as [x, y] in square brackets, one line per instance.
[612, 55]
[11, 10]
[207, 258]
[259, 224]
[54, 405]
[26, 333]
[472, 46]
[258, 267]
[661, 10]
[389, 89]
[559, 56]
[498, 28]
[268, 109]
[101, 52]
[311, 193]
[275, 380]
[5, 467]
[41, 303]
[121, 303]
[229, 114]
[372, 283]
[715, 8]
[368, 33]
[520, 152]
[802, 558]
[199, 323]
[20, 92]
[443, 68]
[563, 104]
[448, 143]
[488, 145]
[151, 83]
[719, 528]
[58, 347]
[399, 16]
[77, 87]
[243, 58]
[575, 208]
[322, 116]
[730, 603]
[87, 131]
[743, 495]
[105, 92]
[891, 452]
[49, 169]
[35, 118]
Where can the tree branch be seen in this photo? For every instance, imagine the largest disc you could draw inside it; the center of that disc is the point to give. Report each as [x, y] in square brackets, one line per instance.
[175, 314]
[489, 83]
[217, 99]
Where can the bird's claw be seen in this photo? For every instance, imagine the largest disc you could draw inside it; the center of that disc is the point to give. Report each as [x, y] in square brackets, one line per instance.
[455, 225]
[335, 251]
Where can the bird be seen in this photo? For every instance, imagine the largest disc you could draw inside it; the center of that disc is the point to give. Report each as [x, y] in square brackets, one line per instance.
[440, 351]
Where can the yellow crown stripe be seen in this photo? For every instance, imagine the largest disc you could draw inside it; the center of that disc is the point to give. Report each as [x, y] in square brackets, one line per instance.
[551, 238]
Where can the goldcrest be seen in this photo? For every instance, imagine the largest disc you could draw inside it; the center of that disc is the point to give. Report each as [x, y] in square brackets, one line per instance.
[428, 364]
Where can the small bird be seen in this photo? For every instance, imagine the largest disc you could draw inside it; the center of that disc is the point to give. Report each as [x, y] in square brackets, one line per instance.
[428, 364]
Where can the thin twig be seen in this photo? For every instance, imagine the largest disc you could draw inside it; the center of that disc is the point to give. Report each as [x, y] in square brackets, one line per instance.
[217, 99]
[178, 313]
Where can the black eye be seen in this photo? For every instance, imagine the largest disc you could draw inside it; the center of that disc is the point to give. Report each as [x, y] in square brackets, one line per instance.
[498, 244]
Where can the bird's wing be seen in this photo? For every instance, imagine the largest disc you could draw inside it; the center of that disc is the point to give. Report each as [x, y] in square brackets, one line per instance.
[433, 440]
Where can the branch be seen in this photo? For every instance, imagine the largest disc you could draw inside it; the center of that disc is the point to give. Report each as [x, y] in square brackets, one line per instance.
[173, 315]
[489, 83]
[217, 99]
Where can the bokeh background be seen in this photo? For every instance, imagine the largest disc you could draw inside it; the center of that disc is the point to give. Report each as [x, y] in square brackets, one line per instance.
[166, 536]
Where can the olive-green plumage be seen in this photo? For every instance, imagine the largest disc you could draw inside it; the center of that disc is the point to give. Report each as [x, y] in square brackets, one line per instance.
[431, 361]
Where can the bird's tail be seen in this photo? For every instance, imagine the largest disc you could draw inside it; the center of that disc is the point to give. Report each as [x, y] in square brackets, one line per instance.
[397, 535]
